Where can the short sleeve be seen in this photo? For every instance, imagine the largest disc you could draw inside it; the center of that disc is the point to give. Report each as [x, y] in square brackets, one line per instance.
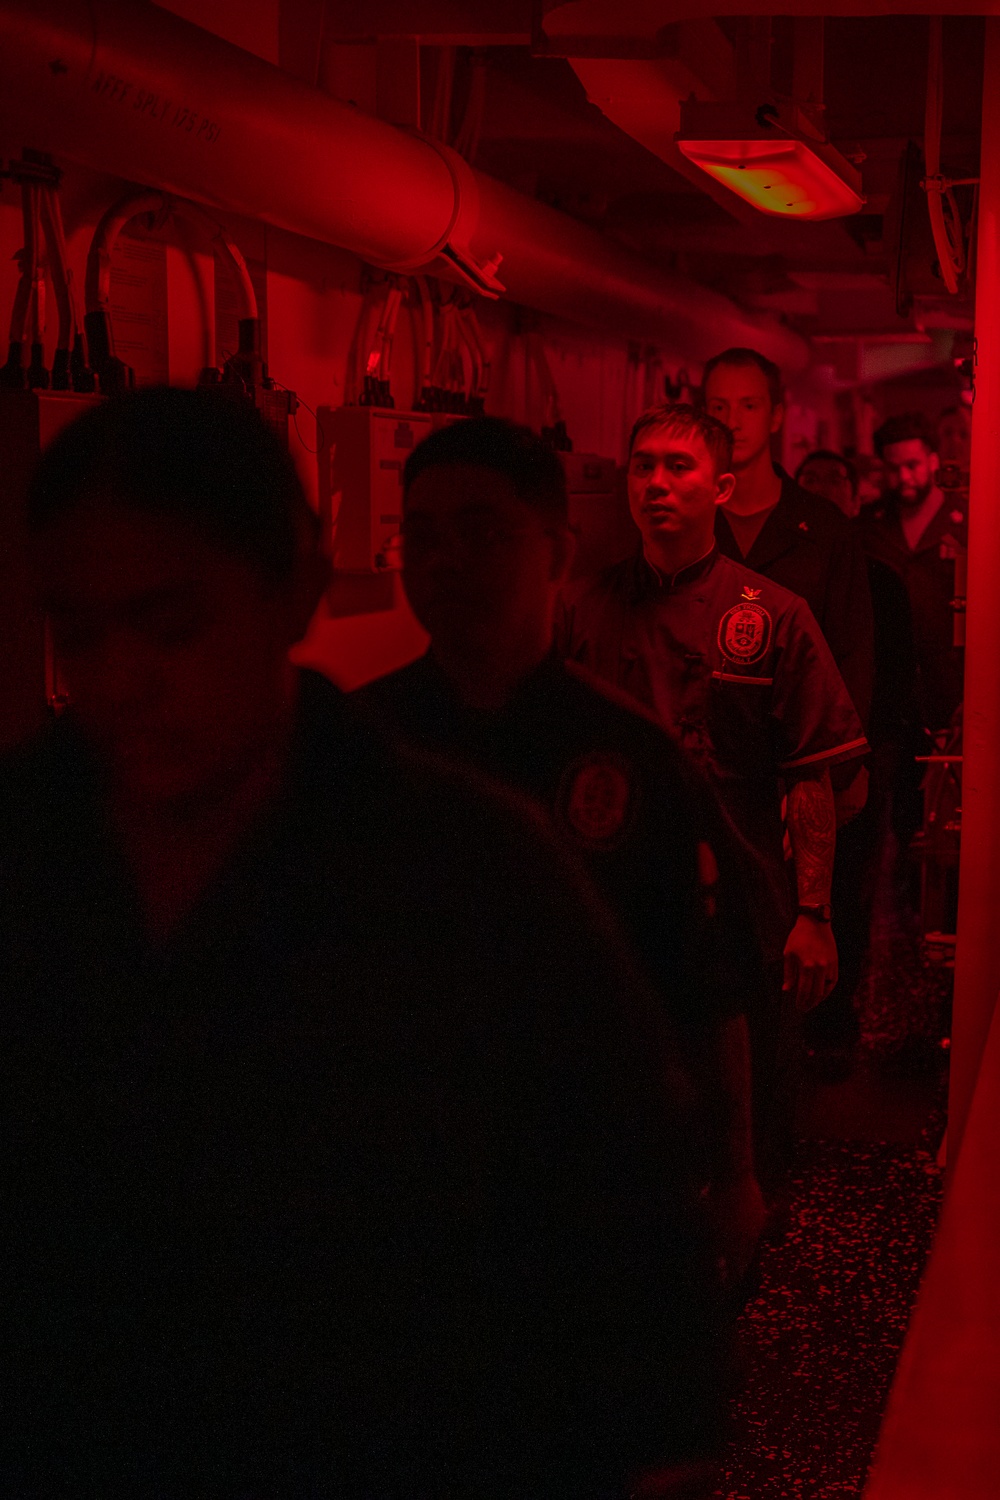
[814, 719]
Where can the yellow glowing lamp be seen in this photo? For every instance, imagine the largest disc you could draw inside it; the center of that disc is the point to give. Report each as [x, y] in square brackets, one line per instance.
[790, 172]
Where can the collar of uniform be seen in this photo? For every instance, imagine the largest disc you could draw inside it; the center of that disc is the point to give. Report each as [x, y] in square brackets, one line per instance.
[649, 579]
[886, 515]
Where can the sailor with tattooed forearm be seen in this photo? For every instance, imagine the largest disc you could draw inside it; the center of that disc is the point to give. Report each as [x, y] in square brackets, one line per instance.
[736, 668]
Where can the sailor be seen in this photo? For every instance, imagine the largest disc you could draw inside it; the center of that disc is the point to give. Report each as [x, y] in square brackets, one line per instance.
[920, 531]
[777, 528]
[342, 1153]
[486, 544]
[737, 670]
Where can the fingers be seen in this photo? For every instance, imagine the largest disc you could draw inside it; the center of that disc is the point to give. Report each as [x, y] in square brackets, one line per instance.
[815, 983]
[809, 976]
[791, 972]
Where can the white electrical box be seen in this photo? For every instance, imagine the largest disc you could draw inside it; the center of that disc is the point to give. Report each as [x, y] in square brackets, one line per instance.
[598, 511]
[362, 450]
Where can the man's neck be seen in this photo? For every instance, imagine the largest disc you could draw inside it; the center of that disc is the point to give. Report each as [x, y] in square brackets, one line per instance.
[915, 519]
[758, 487]
[671, 557]
[487, 680]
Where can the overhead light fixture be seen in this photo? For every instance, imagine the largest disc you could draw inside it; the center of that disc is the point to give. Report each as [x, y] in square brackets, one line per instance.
[773, 157]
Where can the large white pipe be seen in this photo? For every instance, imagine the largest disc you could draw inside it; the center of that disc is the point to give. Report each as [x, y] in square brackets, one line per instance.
[131, 89]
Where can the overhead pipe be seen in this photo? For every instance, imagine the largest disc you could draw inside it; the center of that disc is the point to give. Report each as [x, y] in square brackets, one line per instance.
[134, 90]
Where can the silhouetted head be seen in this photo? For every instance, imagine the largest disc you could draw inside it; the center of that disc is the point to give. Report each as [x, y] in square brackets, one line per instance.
[175, 554]
[486, 536]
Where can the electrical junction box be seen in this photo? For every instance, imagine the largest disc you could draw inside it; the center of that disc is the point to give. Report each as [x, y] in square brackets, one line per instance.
[362, 450]
[29, 420]
[598, 512]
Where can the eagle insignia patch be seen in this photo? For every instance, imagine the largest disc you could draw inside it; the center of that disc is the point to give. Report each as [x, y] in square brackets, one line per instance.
[745, 632]
[596, 799]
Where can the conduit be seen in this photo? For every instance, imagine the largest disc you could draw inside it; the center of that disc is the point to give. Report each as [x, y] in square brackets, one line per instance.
[130, 89]
[97, 319]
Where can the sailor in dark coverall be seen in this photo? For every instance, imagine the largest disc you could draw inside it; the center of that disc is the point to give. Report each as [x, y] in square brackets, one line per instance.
[486, 542]
[343, 1155]
[777, 528]
[919, 531]
[833, 1028]
[736, 668]
[801, 540]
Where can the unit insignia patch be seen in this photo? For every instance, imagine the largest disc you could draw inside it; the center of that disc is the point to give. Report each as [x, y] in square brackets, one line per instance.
[596, 799]
[745, 632]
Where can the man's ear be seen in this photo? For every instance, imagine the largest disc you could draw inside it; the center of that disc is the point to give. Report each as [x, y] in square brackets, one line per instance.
[777, 417]
[725, 484]
[933, 461]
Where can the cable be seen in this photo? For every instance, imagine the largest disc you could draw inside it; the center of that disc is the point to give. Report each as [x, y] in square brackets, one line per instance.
[352, 378]
[22, 296]
[393, 302]
[552, 414]
[466, 141]
[376, 383]
[245, 365]
[38, 375]
[295, 419]
[230, 255]
[62, 286]
[466, 323]
[13, 375]
[423, 381]
[112, 372]
[444, 85]
[951, 255]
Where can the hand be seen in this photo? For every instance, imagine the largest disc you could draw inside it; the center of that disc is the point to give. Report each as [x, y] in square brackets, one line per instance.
[738, 1214]
[810, 962]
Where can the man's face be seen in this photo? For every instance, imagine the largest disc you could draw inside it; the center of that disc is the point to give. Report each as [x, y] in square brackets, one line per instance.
[910, 468]
[479, 564]
[829, 478]
[174, 650]
[954, 434]
[673, 488]
[738, 396]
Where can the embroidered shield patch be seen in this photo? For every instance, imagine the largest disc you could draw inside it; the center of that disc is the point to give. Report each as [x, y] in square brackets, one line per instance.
[745, 633]
[596, 799]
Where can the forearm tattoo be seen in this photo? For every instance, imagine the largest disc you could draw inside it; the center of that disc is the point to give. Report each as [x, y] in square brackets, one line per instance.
[812, 830]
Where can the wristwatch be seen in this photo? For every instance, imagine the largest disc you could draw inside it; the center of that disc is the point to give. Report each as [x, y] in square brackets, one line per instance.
[822, 913]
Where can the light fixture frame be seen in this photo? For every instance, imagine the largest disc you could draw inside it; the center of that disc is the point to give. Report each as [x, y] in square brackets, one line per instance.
[777, 140]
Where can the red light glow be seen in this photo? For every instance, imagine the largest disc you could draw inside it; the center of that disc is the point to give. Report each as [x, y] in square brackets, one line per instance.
[781, 177]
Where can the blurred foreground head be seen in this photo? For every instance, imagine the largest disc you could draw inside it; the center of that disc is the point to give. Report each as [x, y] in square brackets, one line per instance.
[486, 536]
[176, 557]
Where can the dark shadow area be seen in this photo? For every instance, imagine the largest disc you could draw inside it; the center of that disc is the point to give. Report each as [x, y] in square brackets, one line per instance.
[822, 1337]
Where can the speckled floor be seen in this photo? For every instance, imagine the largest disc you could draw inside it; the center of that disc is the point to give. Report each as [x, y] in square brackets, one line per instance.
[823, 1336]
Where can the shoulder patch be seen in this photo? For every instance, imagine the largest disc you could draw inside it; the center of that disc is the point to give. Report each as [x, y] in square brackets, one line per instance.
[596, 799]
[745, 630]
